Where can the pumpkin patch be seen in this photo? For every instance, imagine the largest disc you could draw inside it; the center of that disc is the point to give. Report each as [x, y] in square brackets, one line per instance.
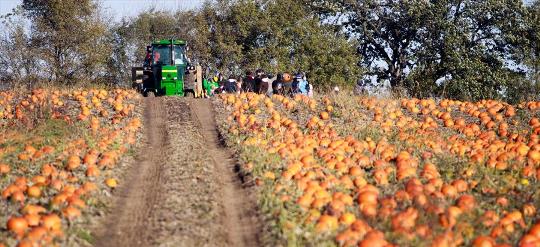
[56, 146]
[362, 171]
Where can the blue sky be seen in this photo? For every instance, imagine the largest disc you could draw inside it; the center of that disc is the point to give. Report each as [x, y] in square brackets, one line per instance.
[121, 8]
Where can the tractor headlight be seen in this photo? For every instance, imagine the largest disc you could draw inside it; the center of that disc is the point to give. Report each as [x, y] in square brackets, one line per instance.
[163, 78]
[175, 78]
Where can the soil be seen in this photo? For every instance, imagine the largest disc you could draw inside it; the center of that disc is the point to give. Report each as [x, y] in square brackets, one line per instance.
[181, 189]
[239, 206]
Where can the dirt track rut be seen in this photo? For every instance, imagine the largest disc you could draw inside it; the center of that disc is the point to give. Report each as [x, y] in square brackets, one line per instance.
[239, 208]
[181, 189]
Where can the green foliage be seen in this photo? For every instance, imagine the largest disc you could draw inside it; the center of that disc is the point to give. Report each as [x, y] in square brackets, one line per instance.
[235, 36]
[388, 32]
[69, 38]
[459, 49]
[299, 42]
[17, 58]
[475, 46]
[531, 43]
[471, 43]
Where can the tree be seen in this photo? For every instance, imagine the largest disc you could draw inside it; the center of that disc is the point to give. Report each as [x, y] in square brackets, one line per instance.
[234, 36]
[387, 33]
[146, 27]
[532, 43]
[467, 48]
[280, 42]
[70, 38]
[17, 58]
[451, 48]
[194, 28]
[301, 42]
[120, 60]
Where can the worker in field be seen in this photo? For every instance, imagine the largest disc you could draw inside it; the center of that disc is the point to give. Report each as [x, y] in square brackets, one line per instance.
[259, 72]
[310, 92]
[296, 80]
[217, 84]
[148, 58]
[249, 82]
[302, 84]
[271, 79]
[230, 85]
[239, 82]
[264, 84]
[287, 89]
[207, 88]
[277, 84]
[157, 56]
[258, 80]
[336, 90]
[213, 85]
[361, 87]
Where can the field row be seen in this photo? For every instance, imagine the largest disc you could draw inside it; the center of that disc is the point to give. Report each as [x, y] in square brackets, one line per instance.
[355, 171]
[57, 154]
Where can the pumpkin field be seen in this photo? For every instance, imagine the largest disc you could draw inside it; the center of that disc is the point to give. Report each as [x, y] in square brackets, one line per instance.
[107, 167]
[58, 152]
[279, 123]
[343, 170]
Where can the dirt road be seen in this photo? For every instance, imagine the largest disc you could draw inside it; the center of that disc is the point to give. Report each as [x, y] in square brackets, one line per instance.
[181, 189]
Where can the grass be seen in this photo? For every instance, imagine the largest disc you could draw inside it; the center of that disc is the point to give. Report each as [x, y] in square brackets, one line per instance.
[85, 235]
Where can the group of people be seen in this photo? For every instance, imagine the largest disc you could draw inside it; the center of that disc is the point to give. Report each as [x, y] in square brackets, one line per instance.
[261, 83]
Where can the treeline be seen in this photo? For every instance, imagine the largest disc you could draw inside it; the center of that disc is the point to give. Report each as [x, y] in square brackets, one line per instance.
[234, 36]
[461, 49]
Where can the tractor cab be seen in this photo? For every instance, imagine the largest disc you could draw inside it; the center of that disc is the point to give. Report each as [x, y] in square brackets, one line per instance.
[160, 54]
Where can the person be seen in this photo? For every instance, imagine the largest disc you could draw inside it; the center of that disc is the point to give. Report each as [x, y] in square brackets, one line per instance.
[259, 73]
[360, 88]
[220, 89]
[303, 86]
[294, 86]
[271, 80]
[249, 82]
[264, 85]
[336, 89]
[277, 84]
[214, 84]
[218, 84]
[287, 89]
[147, 59]
[310, 92]
[230, 85]
[206, 87]
[157, 56]
[239, 82]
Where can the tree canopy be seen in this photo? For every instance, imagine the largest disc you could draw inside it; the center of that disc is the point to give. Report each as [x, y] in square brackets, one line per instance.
[69, 38]
[461, 49]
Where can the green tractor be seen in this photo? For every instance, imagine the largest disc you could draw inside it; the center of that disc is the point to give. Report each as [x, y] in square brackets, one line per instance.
[167, 71]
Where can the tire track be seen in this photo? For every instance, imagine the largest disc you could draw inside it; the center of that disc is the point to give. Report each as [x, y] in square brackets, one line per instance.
[239, 208]
[137, 196]
[181, 190]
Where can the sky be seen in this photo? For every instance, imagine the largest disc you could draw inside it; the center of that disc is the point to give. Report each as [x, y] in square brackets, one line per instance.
[122, 8]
